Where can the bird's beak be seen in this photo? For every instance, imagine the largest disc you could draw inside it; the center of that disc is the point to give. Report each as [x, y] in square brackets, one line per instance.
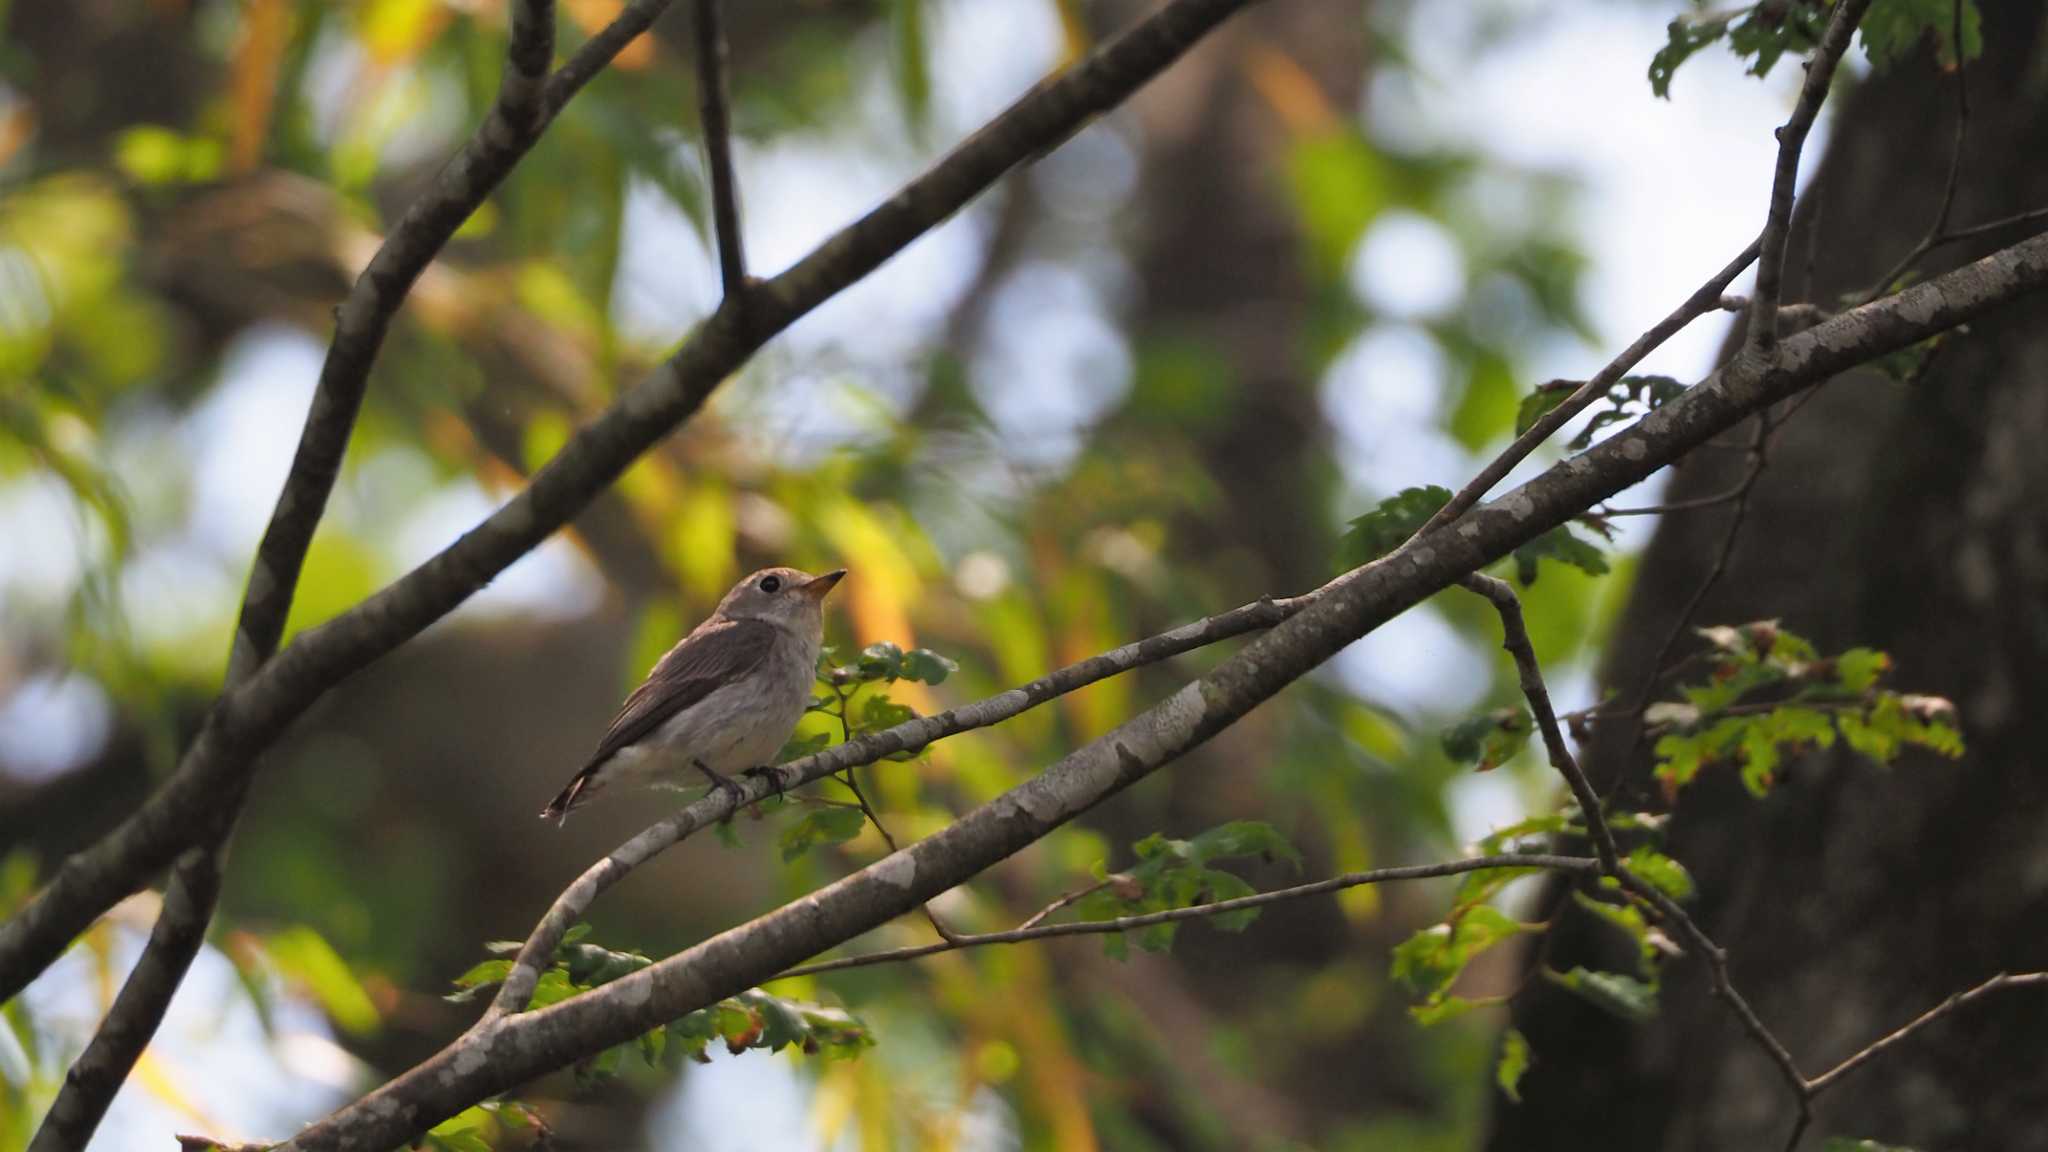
[817, 586]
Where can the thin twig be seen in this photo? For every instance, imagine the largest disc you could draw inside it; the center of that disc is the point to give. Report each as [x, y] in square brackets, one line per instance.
[1515, 638]
[1770, 267]
[715, 111]
[1706, 299]
[1071, 898]
[1937, 232]
[1759, 459]
[1691, 505]
[867, 810]
[1034, 931]
[1827, 1079]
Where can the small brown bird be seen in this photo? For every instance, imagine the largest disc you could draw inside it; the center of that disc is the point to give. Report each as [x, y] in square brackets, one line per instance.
[725, 699]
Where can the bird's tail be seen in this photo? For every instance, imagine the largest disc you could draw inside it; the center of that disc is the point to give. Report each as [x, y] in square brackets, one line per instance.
[569, 798]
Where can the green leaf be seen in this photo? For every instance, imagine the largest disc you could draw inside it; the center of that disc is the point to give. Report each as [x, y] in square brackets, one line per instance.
[1240, 839]
[913, 66]
[1514, 1062]
[1661, 872]
[1539, 403]
[1892, 29]
[925, 665]
[882, 660]
[1562, 545]
[1629, 921]
[1857, 670]
[1489, 739]
[1685, 38]
[478, 978]
[879, 712]
[1389, 524]
[833, 825]
[1431, 960]
[1450, 1008]
[305, 958]
[1624, 996]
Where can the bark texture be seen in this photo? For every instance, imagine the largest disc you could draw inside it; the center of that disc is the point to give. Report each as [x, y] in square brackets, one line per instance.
[1908, 518]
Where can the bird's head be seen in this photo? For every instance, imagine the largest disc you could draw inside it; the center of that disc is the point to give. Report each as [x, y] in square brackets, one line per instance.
[783, 596]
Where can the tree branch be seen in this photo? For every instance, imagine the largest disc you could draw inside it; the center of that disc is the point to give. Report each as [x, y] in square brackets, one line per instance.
[1031, 930]
[515, 120]
[909, 736]
[250, 717]
[1515, 638]
[1706, 299]
[1820, 73]
[714, 109]
[99, 1071]
[509, 1050]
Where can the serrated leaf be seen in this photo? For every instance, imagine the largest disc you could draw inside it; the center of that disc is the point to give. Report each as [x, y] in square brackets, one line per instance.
[1437, 1011]
[1389, 524]
[1661, 872]
[1857, 670]
[1684, 38]
[1513, 1063]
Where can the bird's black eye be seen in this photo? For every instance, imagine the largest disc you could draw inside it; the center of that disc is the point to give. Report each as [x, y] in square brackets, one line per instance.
[771, 583]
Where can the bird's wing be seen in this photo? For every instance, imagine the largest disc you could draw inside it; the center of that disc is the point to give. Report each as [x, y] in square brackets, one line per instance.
[717, 653]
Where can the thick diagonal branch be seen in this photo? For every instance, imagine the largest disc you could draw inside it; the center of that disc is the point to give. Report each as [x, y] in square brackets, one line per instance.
[251, 717]
[511, 1049]
[515, 120]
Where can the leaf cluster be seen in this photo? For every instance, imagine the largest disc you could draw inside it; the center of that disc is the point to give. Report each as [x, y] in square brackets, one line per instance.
[1764, 32]
[1393, 520]
[1173, 873]
[753, 1019]
[1768, 696]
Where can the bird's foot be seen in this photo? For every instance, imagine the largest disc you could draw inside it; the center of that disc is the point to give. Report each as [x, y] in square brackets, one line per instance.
[769, 773]
[723, 783]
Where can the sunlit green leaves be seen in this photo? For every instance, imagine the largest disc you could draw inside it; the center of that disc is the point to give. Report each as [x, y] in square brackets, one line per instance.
[1431, 960]
[753, 1019]
[1768, 696]
[1391, 522]
[1513, 1063]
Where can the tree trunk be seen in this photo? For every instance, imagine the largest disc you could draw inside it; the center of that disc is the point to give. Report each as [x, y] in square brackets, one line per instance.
[1907, 518]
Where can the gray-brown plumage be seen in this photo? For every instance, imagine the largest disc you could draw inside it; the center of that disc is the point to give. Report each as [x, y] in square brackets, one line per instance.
[723, 700]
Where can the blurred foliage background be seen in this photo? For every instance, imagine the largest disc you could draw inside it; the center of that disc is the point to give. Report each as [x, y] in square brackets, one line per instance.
[1134, 385]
